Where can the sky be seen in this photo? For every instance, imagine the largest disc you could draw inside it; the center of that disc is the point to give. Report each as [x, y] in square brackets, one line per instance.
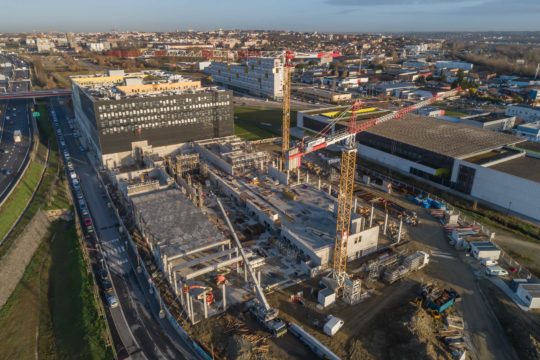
[300, 15]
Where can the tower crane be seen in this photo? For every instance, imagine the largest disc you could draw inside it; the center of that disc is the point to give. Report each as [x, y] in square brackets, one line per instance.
[348, 167]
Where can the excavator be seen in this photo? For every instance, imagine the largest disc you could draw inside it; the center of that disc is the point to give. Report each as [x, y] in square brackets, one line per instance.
[260, 308]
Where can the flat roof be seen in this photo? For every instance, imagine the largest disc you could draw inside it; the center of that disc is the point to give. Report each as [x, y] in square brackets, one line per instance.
[493, 155]
[532, 289]
[173, 222]
[529, 145]
[484, 245]
[442, 137]
[526, 167]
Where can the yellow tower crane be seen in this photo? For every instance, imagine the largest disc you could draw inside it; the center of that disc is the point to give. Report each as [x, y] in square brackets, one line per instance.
[288, 56]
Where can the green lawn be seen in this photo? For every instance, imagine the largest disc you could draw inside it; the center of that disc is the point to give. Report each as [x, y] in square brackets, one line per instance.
[55, 297]
[252, 123]
[78, 328]
[17, 201]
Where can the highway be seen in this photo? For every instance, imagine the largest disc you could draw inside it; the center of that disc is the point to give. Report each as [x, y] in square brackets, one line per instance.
[135, 323]
[13, 156]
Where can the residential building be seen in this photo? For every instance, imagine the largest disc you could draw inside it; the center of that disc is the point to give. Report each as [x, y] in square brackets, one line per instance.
[258, 76]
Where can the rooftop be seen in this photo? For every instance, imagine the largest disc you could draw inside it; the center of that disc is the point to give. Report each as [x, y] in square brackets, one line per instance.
[486, 118]
[526, 167]
[118, 85]
[173, 222]
[442, 137]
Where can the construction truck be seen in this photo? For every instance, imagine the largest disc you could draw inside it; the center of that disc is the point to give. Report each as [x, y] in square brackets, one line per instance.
[260, 308]
[17, 136]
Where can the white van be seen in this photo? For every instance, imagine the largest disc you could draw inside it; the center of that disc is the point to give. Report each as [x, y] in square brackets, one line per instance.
[496, 271]
[488, 262]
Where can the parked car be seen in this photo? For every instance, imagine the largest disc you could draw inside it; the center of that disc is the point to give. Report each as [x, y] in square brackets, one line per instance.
[112, 301]
[488, 262]
[87, 221]
[496, 271]
[107, 285]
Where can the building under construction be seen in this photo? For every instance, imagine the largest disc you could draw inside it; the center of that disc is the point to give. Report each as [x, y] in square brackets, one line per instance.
[232, 155]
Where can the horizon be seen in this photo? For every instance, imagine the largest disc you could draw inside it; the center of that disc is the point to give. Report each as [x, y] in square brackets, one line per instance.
[329, 16]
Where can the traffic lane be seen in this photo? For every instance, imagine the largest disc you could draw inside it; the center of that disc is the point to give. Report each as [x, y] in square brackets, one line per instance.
[120, 324]
[128, 291]
[12, 162]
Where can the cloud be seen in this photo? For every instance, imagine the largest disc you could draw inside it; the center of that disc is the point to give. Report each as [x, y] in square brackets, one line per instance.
[392, 2]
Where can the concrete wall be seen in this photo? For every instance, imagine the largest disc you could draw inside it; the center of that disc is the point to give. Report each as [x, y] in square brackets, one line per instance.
[214, 159]
[391, 160]
[320, 256]
[362, 243]
[504, 190]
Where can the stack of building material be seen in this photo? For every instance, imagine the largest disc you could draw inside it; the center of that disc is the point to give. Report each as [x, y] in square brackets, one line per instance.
[352, 291]
[415, 261]
[393, 274]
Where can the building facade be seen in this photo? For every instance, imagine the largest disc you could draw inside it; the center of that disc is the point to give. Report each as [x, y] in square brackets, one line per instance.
[120, 126]
[261, 76]
[527, 113]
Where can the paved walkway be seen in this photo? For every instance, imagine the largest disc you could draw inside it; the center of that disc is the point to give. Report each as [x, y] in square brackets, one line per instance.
[14, 263]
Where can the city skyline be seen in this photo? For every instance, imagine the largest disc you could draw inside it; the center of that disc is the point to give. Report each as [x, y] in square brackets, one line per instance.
[300, 15]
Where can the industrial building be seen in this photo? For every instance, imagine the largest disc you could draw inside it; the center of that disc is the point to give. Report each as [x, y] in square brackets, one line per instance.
[489, 121]
[488, 166]
[258, 76]
[524, 112]
[323, 95]
[530, 131]
[123, 116]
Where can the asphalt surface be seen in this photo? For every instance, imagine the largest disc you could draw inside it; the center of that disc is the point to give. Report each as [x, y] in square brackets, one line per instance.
[13, 156]
[136, 323]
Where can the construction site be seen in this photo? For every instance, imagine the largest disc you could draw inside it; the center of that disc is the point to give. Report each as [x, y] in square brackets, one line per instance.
[258, 255]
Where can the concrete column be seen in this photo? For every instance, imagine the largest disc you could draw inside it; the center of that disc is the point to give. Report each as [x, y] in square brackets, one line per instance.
[400, 227]
[182, 294]
[371, 216]
[190, 308]
[245, 272]
[385, 223]
[175, 284]
[205, 306]
[329, 189]
[224, 295]
[259, 277]
[298, 175]
[319, 184]
[307, 177]
[355, 204]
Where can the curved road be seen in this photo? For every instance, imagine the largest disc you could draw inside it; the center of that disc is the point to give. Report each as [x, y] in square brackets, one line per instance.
[136, 324]
[13, 156]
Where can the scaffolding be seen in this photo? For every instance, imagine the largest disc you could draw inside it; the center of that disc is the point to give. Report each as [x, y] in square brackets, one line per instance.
[352, 291]
[186, 163]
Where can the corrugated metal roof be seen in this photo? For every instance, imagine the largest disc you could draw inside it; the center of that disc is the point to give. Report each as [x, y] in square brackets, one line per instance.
[442, 137]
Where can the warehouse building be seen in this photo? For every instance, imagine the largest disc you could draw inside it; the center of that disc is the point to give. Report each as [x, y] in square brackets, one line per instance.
[488, 166]
[323, 95]
[258, 76]
[123, 117]
[525, 112]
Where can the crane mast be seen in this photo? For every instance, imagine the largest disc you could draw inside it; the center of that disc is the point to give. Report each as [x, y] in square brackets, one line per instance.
[286, 126]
